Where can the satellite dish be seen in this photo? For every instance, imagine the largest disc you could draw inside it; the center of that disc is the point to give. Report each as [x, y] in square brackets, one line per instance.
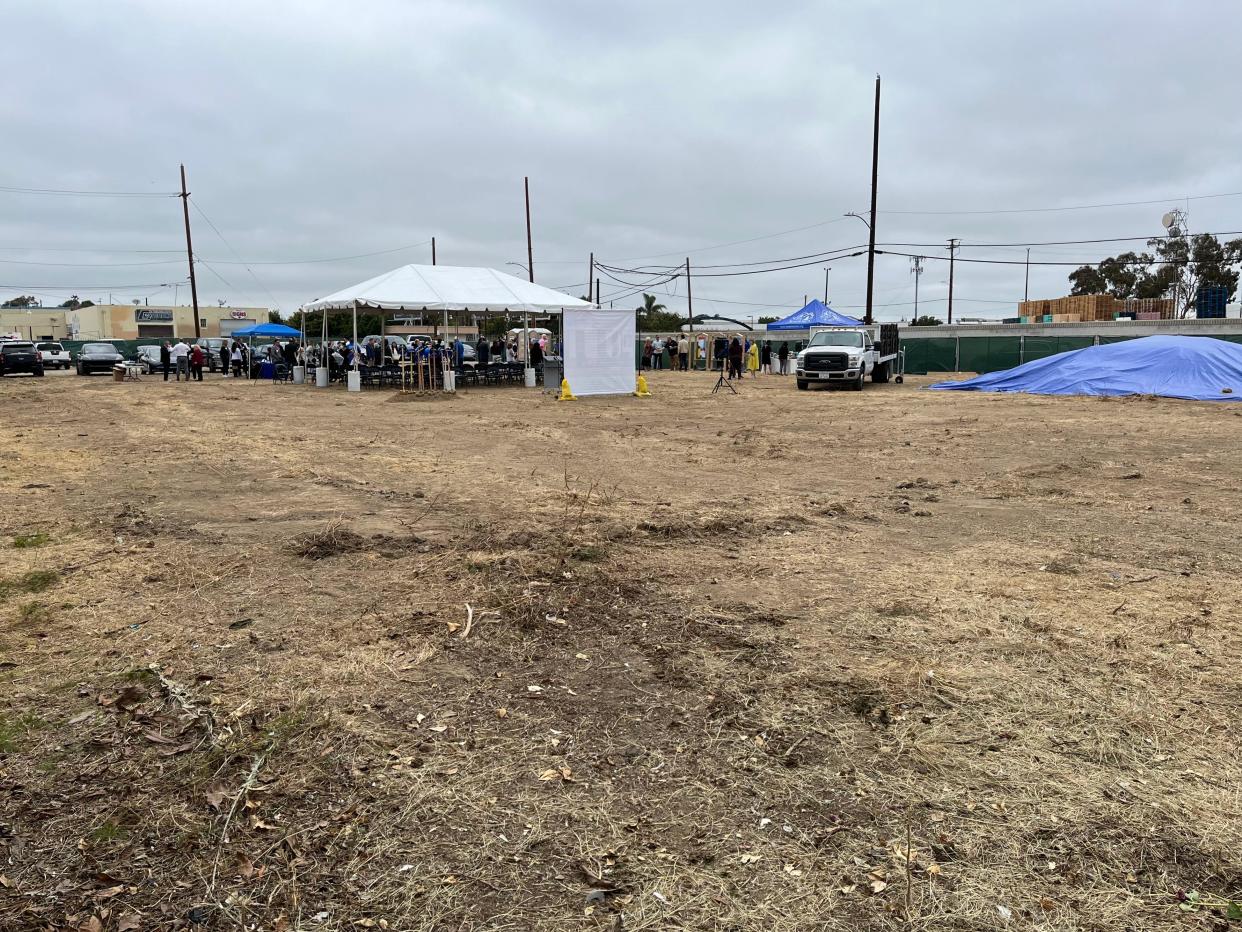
[1168, 219]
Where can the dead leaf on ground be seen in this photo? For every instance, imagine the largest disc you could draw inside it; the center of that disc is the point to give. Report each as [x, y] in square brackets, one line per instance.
[93, 924]
[215, 795]
[245, 866]
[130, 698]
[129, 922]
[80, 717]
[878, 886]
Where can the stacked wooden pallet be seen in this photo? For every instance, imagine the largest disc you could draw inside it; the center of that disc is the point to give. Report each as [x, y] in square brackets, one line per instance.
[1092, 307]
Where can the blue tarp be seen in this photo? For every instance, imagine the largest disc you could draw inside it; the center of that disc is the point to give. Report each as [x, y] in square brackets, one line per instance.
[815, 314]
[266, 330]
[1194, 368]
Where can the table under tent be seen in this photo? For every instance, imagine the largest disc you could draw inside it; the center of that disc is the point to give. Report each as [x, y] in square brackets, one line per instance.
[446, 288]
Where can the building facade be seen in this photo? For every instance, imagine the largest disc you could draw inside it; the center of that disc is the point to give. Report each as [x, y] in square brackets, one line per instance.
[36, 323]
[139, 322]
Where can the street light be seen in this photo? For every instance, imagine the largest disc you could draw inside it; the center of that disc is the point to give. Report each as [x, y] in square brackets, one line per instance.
[520, 266]
[860, 217]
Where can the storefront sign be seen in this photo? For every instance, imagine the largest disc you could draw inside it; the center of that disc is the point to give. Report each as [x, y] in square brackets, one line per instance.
[237, 315]
[150, 315]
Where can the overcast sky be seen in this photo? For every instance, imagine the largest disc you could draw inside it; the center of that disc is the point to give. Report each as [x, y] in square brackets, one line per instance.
[650, 131]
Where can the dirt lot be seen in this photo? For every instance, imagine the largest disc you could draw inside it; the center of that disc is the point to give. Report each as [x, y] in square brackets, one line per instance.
[279, 658]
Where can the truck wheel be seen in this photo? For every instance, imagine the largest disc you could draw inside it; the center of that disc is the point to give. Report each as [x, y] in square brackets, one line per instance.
[857, 384]
[900, 379]
[880, 372]
[803, 384]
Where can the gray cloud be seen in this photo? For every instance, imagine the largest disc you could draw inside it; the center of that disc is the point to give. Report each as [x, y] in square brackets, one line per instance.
[321, 129]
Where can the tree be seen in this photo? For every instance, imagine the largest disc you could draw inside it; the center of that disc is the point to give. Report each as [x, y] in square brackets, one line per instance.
[768, 320]
[926, 320]
[73, 303]
[653, 317]
[1182, 264]
[22, 301]
[273, 317]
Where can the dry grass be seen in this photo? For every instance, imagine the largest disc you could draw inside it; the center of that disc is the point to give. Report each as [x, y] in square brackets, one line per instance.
[561, 680]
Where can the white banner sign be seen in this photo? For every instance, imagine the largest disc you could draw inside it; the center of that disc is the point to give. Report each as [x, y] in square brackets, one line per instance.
[599, 351]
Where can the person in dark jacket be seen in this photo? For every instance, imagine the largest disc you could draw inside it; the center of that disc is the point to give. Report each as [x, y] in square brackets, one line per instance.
[536, 355]
[165, 358]
[765, 357]
[482, 351]
[291, 353]
[735, 358]
[782, 356]
[224, 357]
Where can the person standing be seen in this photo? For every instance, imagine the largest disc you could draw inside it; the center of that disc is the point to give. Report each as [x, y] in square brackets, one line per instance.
[165, 358]
[752, 359]
[224, 358]
[735, 358]
[765, 358]
[197, 358]
[235, 357]
[782, 357]
[683, 354]
[181, 359]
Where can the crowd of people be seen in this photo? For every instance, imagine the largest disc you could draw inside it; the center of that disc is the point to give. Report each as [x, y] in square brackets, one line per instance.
[738, 355]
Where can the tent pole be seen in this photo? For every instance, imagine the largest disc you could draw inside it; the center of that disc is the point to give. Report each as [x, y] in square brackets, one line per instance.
[355, 336]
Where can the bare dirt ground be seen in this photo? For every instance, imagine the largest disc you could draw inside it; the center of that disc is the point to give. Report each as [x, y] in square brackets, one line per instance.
[277, 658]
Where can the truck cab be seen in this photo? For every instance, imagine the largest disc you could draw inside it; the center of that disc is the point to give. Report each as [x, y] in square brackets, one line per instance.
[848, 355]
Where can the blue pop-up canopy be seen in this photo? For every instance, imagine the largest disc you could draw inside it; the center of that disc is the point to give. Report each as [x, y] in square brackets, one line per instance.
[266, 330]
[1194, 368]
[815, 314]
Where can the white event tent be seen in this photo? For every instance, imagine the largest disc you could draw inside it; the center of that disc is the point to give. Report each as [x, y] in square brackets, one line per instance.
[463, 288]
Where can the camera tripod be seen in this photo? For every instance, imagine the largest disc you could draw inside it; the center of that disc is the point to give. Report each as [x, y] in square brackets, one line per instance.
[722, 382]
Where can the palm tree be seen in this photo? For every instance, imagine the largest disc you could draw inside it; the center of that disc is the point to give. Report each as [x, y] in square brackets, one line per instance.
[650, 306]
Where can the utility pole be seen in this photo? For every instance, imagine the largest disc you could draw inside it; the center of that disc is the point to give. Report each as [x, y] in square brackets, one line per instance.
[916, 267]
[433, 250]
[826, 271]
[952, 250]
[189, 253]
[597, 298]
[530, 248]
[875, 176]
[590, 276]
[689, 296]
[1026, 290]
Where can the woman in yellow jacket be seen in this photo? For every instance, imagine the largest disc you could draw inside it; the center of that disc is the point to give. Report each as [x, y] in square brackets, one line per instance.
[752, 359]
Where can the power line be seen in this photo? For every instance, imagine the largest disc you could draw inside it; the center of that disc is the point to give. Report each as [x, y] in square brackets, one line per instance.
[59, 192]
[1022, 262]
[90, 265]
[361, 255]
[275, 303]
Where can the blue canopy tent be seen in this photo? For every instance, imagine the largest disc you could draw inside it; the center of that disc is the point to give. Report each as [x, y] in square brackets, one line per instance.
[1193, 368]
[815, 314]
[275, 331]
[267, 330]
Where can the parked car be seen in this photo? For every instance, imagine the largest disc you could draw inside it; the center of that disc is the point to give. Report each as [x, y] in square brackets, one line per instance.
[54, 356]
[211, 346]
[18, 356]
[148, 356]
[97, 357]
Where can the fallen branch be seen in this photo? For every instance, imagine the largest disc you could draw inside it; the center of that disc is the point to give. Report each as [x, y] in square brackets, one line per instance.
[247, 786]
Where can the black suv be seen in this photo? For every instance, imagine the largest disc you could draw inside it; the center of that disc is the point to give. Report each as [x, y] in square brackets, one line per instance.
[20, 356]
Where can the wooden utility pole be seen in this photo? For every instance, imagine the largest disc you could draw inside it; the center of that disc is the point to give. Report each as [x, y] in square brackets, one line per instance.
[597, 299]
[433, 250]
[875, 175]
[689, 296]
[530, 248]
[189, 253]
[952, 252]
